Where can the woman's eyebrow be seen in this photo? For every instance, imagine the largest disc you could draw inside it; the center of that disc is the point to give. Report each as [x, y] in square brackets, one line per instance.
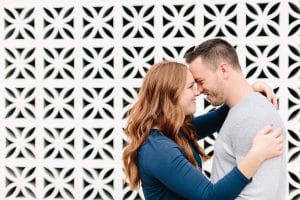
[191, 83]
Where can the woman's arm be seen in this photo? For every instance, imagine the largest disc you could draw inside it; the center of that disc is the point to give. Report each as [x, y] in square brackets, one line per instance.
[262, 148]
[210, 122]
[169, 165]
[265, 90]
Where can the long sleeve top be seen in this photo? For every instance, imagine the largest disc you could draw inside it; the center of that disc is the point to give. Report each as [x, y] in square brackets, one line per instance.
[167, 174]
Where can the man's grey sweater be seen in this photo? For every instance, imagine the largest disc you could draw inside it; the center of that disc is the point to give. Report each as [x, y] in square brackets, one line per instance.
[235, 140]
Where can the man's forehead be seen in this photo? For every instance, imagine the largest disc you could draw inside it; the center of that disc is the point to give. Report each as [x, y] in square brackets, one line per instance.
[196, 67]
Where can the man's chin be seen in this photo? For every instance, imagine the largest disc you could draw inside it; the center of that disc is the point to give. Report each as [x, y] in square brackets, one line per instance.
[214, 103]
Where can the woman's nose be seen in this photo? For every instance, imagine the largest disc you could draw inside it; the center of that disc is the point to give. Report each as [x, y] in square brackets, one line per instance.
[196, 91]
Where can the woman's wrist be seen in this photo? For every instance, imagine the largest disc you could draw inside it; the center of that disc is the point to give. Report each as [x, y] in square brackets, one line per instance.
[256, 155]
[250, 163]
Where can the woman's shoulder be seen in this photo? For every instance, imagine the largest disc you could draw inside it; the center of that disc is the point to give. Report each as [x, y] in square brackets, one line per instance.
[158, 143]
[158, 149]
[157, 139]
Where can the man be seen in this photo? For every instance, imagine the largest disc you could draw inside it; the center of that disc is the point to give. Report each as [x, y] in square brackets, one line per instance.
[217, 72]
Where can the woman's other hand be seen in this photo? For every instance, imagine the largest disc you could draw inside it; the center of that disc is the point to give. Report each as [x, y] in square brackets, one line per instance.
[266, 90]
[268, 143]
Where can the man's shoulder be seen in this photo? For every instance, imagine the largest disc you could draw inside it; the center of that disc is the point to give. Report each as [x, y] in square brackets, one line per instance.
[253, 105]
[250, 115]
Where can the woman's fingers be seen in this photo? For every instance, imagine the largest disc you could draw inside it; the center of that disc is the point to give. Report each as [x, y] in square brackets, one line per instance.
[277, 132]
[266, 130]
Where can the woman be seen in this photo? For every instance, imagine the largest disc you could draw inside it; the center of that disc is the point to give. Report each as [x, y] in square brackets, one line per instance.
[163, 153]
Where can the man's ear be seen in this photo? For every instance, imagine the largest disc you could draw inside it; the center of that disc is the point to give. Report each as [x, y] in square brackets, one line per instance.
[224, 69]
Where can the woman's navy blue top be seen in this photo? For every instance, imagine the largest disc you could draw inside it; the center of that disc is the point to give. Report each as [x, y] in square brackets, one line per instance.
[167, 174]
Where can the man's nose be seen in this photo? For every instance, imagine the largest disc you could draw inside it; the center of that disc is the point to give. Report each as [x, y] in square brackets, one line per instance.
[200, 89]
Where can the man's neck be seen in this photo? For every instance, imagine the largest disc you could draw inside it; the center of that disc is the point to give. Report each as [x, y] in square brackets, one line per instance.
[239, 88]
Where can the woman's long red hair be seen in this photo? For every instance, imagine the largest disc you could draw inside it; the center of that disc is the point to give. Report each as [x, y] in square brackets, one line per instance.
[157, 106]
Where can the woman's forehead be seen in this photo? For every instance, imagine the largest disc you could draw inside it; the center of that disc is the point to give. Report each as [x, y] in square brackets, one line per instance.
[189, 76]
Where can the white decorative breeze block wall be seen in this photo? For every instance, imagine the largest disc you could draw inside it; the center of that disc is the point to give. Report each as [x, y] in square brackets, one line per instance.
[69, 71]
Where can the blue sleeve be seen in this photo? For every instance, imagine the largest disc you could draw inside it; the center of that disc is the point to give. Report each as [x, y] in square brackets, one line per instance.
[172, 169]
[210, 122]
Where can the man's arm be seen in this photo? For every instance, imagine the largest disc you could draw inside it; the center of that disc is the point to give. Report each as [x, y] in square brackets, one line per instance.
[265, 182]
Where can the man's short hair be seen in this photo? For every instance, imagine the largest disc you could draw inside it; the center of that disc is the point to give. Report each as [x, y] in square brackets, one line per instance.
[214, 50]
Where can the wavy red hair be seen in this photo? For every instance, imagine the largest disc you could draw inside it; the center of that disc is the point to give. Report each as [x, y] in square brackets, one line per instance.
[158, 106]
